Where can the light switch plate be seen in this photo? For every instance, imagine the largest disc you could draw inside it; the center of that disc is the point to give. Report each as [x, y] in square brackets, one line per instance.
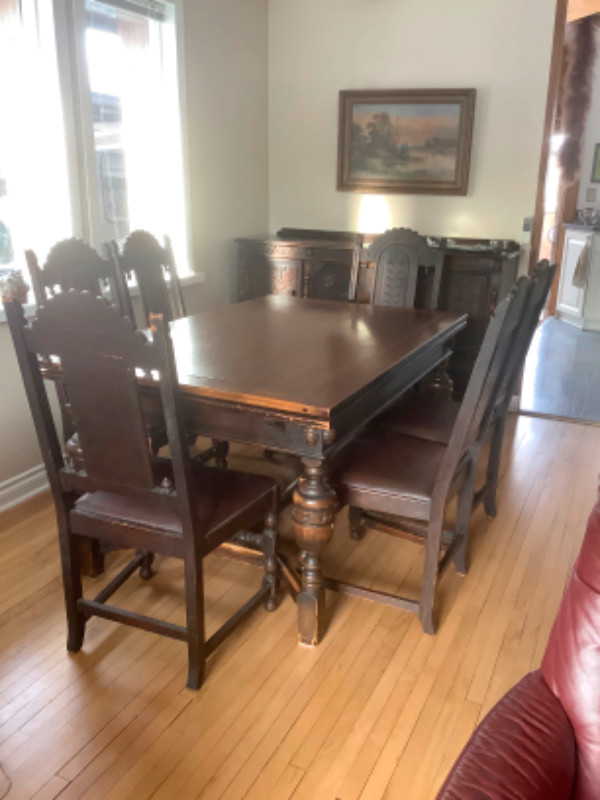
[590, 195]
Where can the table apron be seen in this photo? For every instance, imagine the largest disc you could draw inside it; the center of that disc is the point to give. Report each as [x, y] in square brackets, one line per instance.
[253, 425]
[386, 392]
[309, 437]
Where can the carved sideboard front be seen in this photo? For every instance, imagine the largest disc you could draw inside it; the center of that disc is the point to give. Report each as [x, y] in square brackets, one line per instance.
[298, 268]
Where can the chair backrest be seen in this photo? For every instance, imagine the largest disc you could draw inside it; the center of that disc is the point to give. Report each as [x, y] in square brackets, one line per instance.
[398, 254]
[509, 368]
[541, 281]
[151, 263]
[481, 392]
[73, 264]
[104, 363]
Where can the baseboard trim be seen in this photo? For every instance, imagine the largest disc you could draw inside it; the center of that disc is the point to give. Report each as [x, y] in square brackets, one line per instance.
[559, 418]
[20, 488]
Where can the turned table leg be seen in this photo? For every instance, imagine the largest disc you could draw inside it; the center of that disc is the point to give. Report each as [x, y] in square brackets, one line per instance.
[313, 515]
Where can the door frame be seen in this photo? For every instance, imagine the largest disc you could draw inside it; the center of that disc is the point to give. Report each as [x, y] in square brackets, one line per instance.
[560, 24]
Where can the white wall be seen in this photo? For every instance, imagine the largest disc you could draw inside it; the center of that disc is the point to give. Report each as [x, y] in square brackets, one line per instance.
[591, 139]
[225, 47]
[19, 450]
[500, 47]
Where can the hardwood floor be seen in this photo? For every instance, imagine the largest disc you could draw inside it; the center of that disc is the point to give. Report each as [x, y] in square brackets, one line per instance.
[379, 709]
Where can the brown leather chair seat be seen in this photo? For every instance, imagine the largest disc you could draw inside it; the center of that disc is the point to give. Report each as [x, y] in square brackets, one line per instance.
[221, 494]
[399, 470]
[431, 416]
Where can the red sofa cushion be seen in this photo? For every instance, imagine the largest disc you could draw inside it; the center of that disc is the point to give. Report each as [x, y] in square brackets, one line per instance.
[571, 665]
[524, 749]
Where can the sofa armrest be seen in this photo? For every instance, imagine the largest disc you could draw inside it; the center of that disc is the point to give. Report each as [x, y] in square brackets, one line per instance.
[525, 748]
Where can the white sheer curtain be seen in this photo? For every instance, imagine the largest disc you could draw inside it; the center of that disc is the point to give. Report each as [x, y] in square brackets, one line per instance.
[124, 164]
[136, 63]
[8, 10]
[34, 191]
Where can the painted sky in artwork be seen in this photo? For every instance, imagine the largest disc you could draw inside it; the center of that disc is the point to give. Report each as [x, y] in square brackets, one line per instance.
[414, 123]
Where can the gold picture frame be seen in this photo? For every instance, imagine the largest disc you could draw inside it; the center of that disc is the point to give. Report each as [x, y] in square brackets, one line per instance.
[595, 178]
[405, 141]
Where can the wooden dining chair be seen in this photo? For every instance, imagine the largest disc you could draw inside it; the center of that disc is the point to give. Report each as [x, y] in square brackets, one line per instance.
[155, 273]
[120, 494]
[401, 484]
[73, 264]
[430, 415]
[399, 254]
[160, 290]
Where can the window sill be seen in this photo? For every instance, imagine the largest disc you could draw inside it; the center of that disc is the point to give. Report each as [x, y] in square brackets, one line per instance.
[185, 280]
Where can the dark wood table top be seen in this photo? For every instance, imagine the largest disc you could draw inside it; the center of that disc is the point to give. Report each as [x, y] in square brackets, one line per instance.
[299, 356]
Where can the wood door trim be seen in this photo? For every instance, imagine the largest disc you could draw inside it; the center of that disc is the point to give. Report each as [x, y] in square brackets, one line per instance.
[567, 207]
[560, 21]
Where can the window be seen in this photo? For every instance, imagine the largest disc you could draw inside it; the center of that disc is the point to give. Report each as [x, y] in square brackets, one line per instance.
[93, 142]
[35, 206]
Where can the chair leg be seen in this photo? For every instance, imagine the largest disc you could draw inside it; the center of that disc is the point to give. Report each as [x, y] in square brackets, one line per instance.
[221, 453]
[269, 551]
[71, 573]
[356, 523]
[194, 601]
[493, 471]
[430, 573]
[146, 571]
[91, 558]
[463, 520]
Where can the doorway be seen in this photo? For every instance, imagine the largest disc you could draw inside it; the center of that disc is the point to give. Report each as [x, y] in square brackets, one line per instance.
[562, 371]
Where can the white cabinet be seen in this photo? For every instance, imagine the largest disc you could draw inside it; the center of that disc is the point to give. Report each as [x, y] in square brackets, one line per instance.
[580, 306]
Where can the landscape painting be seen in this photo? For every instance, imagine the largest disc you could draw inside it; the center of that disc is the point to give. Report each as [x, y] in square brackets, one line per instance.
[405, 141]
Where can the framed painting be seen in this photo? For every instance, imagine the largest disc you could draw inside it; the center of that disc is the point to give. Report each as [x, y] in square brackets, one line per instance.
[596, 165]
[405, 141]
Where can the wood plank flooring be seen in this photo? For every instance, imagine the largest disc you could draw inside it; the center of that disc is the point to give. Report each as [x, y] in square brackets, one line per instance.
[378, 710]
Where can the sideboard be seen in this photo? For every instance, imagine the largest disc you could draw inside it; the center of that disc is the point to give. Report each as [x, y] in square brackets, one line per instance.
[334, 265]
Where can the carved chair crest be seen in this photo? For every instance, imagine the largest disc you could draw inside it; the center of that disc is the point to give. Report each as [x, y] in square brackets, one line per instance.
[398, 253]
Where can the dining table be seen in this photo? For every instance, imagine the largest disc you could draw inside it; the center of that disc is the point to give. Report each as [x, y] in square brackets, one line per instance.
[303, 377]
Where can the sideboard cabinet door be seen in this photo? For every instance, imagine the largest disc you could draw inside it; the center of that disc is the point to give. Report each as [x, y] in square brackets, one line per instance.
[319, 270]
[267, 268]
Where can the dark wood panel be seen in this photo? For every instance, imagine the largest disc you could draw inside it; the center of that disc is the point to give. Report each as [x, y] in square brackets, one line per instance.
[321, 269]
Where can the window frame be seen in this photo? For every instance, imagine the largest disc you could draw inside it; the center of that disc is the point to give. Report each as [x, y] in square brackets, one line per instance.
[70, 27]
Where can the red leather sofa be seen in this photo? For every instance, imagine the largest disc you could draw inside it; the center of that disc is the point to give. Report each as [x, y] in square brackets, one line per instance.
[542, 740]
